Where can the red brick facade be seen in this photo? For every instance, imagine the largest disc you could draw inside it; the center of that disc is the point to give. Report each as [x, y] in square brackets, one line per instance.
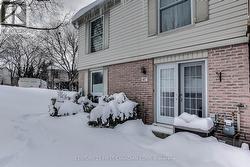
[233, 62]
[128, 78]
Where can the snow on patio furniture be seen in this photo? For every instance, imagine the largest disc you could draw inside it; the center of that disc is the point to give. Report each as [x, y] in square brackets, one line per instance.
[191, 123]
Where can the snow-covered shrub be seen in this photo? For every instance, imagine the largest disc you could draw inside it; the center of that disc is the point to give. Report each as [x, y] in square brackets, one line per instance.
[64, 105]
[87, 104]
[113, 110]
[61, 96]
[65, 108]
[69, 108]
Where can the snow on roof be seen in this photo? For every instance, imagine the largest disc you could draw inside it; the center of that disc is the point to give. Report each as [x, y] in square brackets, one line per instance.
[86, 9]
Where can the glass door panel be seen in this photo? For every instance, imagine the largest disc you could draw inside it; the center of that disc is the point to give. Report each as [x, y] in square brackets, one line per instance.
[166, 93]
[192, 88]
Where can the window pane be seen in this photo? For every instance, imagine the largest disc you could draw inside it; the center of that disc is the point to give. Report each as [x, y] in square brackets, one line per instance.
[96, 27]
[167, 19]
[165, 3]
[174, 16]
[167, 95]
[96, 35]
[96, 43]
[193, 89]
[183, 14]
[97, 82]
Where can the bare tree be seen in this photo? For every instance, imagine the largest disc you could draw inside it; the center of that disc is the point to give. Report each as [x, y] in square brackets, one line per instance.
[37, 9]
[23, 56]
[62, 44]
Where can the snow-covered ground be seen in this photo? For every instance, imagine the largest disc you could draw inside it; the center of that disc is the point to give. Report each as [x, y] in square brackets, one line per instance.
[29, 137]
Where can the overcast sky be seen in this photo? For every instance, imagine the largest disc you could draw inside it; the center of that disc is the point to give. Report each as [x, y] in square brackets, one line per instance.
[75, 5]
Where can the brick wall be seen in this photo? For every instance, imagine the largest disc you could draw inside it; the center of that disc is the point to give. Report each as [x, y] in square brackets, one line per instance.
[233, 62]
[127, 78]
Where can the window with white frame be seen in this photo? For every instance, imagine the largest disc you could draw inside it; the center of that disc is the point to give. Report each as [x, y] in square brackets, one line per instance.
[96, 34]
[97, 85]
[174, 14]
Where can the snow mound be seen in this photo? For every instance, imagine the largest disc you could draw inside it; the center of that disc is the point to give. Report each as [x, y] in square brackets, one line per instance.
[69, 108]
[205, 152]
[193, 121]
[84, 100]
[119, 97]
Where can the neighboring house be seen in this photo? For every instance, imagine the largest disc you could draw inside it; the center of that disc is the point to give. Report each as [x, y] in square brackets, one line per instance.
[5, 76]
[172, 56]
[57, 78]
[32, 83]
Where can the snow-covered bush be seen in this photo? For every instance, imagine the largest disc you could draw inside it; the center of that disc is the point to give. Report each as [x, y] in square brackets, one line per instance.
[113, 110]
[64, 105]
[86, 104]
[65, 108]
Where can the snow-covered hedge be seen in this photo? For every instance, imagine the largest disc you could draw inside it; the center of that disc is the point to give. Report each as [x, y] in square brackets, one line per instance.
[113, 110]
[110, 110]
[64, 105]
[86, 104]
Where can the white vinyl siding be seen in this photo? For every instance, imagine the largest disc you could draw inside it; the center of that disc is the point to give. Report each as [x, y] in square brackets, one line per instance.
[129, 41]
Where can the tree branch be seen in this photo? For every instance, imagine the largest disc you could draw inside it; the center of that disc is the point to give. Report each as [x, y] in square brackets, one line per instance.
[33, 28]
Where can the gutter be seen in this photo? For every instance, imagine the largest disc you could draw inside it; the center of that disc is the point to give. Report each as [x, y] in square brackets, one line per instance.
[93, 10]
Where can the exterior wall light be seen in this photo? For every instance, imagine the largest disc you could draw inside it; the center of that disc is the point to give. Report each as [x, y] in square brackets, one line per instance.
[144, 70]
[219, 75]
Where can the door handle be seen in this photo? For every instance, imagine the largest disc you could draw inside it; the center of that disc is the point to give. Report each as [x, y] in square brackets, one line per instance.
[180, 97]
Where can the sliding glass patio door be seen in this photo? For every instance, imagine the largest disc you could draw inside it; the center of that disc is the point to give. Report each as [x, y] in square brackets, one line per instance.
[192, 97]
[180, 88]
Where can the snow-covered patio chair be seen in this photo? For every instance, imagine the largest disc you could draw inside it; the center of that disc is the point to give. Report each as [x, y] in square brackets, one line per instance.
[203, 127]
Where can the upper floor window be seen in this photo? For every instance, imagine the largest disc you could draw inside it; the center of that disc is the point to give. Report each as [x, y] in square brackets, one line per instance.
[96, 34]
[174, 14]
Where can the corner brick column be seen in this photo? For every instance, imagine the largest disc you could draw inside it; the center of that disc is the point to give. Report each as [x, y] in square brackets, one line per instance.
[127, 78]
[233, 62]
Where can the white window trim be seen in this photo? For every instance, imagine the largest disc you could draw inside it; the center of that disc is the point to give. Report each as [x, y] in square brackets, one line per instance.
[103, 36]
[176, 29]
[91, 86]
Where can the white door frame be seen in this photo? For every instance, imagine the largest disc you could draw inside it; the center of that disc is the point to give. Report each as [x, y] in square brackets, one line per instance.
[176, 101]
[181, 88]
[91, 80]
[165, 119]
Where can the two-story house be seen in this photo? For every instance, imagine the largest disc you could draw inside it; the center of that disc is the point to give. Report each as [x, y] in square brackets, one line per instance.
[57, 78]
[171, 56]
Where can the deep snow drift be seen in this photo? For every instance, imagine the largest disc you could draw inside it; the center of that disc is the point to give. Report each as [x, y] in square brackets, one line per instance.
[29, 137]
